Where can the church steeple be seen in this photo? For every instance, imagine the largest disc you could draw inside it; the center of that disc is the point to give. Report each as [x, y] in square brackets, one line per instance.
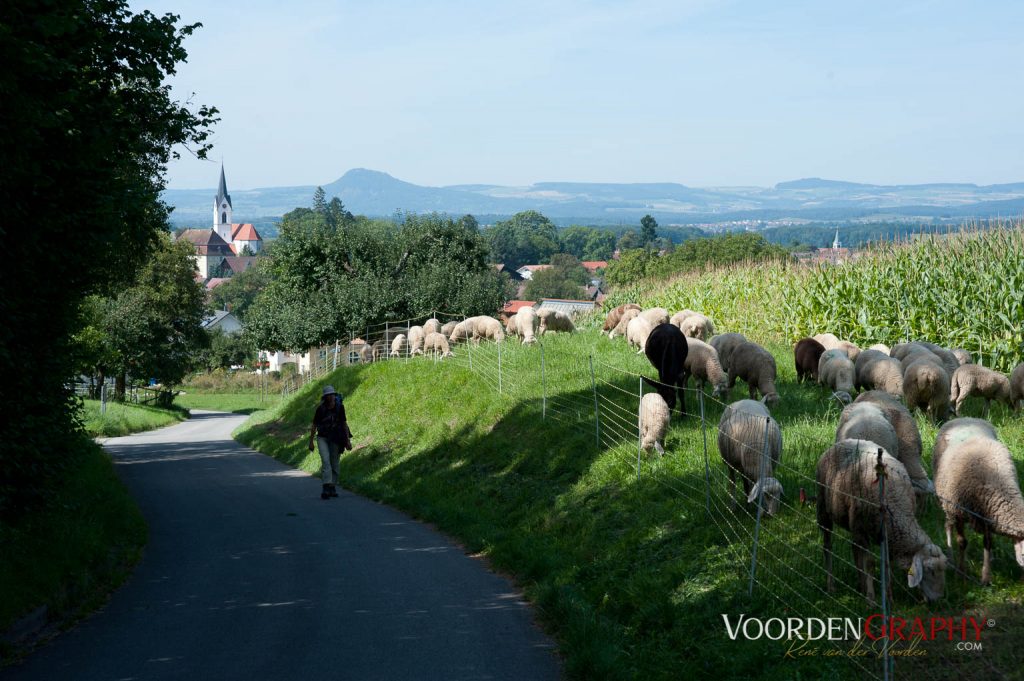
[222, 209]
[835, 242]
[222, 189]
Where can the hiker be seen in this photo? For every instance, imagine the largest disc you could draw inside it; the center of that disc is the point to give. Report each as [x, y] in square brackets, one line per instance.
[331, 433]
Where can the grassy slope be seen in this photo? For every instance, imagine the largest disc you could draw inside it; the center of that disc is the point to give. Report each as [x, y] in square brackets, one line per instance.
[238, 403]
[70, 554]
[123, 419]
[632, 576]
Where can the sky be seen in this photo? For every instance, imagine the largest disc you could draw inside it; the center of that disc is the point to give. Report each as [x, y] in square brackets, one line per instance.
[705, 93]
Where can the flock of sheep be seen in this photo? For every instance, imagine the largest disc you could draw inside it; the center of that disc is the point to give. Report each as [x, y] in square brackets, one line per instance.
[974, 475]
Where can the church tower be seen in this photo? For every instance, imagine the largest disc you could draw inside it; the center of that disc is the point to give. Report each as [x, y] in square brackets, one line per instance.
[835, 242]
[222, 209]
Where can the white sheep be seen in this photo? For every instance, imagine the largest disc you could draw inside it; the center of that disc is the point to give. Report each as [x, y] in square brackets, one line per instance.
[875, 371]
[654, 417]
[962, 356]
[851, 349]
[756, 366]
[512, 325]
[431, 326]
[742, 432]
[463, 331]
[926, 387]
[881, 347]
[865, 421]
[365, 353]
[908, 449]
[628, 315]
[416, 337]
[1017, 387]
[978, 381]
[380, 349]
[614, 315]
[526, 324]
[678, 317]
[655, 315]
[554, 320]
[437, 345]
[489, 328]
[725, 344]
[848, 496]
[637, 332]
[829, 340]
[703, 364]
[976, 482]
[835, 371]
[448, 327]
[697, 326]
[398, 345]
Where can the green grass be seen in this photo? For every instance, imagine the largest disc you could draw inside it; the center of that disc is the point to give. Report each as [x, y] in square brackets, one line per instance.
[71, 553]
[125, 418]
[632, 576]
[238, 403]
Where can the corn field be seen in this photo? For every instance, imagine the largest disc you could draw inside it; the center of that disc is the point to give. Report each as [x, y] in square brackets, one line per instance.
[961, 290]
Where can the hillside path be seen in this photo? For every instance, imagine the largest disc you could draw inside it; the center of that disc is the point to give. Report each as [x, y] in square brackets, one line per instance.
[248, 574]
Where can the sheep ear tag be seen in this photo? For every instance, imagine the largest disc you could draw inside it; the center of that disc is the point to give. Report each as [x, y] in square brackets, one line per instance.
[916, 572]
[752, 497]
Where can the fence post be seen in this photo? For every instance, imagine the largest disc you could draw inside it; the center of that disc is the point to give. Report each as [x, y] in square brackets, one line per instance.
[543, 386]
[884, 556]
[337, 349]
[597, 412]
[639, 427]
[760, 506]
[103, 397]
[499, 368]
[707, 465]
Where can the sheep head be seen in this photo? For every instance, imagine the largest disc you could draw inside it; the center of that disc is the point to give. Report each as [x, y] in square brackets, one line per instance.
[721, 389]
[928, 571]
[770, 398]
[772, 495]
[1018, 549]
[842, 396]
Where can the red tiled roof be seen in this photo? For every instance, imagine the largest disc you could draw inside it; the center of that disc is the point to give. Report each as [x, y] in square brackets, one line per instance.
[214, 283]
[206, 241]
[534, 268]
[240, 263]
[244, 232]
[595, 264]
[514, 306]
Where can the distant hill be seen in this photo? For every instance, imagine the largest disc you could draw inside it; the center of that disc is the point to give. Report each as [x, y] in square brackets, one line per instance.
[374, 193]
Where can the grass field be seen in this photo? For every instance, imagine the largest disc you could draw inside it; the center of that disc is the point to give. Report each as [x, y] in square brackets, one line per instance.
[71, 553]
[125, 418]
[238, 403]
[632, 575]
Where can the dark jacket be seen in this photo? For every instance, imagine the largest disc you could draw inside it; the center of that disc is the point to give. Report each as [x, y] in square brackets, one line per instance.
[331, 423]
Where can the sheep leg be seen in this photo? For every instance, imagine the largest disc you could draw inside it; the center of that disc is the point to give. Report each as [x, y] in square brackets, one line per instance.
[826, 541]
[988, 402]
[961, 543]
[732, 379]
[752, 389]
[986, 565]
[659, 448]
[868, 564]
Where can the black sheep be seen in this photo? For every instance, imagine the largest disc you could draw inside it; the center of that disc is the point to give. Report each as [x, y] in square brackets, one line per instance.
[806, 355]
[666, 349]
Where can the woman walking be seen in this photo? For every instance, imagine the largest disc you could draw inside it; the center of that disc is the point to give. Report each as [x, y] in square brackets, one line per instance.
[330, 432]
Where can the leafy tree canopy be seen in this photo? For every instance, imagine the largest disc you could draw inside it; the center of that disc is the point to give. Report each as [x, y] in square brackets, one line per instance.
[527, 238]
[564, 279]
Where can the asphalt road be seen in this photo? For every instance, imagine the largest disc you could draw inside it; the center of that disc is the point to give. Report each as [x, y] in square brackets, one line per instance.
[248, 574]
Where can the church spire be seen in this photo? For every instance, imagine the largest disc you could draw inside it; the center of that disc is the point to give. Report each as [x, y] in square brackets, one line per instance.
[835, 242]
[222, 189]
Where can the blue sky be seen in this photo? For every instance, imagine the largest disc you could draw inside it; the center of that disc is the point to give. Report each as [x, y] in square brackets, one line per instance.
[703, 93]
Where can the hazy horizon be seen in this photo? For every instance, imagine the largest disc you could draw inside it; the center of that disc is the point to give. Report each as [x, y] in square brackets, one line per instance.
[701, 93]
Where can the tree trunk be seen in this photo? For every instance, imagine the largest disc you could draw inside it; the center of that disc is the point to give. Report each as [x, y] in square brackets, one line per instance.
[119, 385]
[97, 385]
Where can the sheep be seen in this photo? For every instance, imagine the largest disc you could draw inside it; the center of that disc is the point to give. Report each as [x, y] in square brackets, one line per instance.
[628, 315]
[637, 332]
[957, 431]
[835, 371]
[678, 317]
[655, 315]
[379, 350]
[865, 421]
[436, 344]
[431, 326]
[666, 350]
[926, 386]
[697, 326]
[949, 361]
[976, 482]
[365, 353]
[851, 349]
[487, 327]
[879, 372]
[1017, 387]
[511, 324]
[703, 364]
[724, 344]
[555, 320]
[910, 352]
[742, 433]
[448, 327]
[398, 345]
[908, 448]
[526, 324]
[847, 483]
[976, 380]
[806, 354]
[756, 367]
[463, 331]
[415, 337]
[962, 356]
[829, 340]
[863, 359]
[881, 347]
[611, 320]
[654, 417]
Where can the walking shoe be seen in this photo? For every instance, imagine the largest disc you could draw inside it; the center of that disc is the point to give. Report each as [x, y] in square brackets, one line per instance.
[332, 490]
[326, 493]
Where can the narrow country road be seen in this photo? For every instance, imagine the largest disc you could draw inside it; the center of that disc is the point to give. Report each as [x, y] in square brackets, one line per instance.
[248, 574]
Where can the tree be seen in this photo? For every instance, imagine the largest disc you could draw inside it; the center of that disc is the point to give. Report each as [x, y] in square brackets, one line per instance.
[629, 239]
[564, 279]
[225, 350]
[631, 266]
[648, 230]
[239, 292]
[87, 130]
[600, 245]
[527, 238]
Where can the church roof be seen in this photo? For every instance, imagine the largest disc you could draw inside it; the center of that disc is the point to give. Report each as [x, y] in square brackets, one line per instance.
[206, 241]
[244, 232]
[240, 263]
[222, 189]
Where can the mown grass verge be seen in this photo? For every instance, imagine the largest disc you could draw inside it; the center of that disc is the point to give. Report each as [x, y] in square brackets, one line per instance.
[125, 418]
[631, 575]
[69, 554]
[237, 403]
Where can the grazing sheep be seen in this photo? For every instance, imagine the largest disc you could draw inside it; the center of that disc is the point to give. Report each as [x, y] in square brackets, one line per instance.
[949, 361]
[511, 324]
[655, 315]
[926, 387]
[611, 320]
[628, 315]
[437, 345]
[702, 363]
[416, 336]
[976, 482]
[741, 442]
[379, 349]
[697, 326]
[526, 324]
[806, 354]
[865, 421]
[725, 344]
[848, 497]
[637, 332]
[1017, 387]
[365, 353]
[666, 350]
[654, 416]
[487, 327]
[958, 431]
[431, 326]
[398, 345]
[829, 340]
[835, 371]
[555, 320]
[463, 331]
[879, 373]
[881, 347]
[908, 353]
[962, 356]
[448, 327]
[851, 350]
[908, 448]
[978, 381]
[756, 367]
[678, 317]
